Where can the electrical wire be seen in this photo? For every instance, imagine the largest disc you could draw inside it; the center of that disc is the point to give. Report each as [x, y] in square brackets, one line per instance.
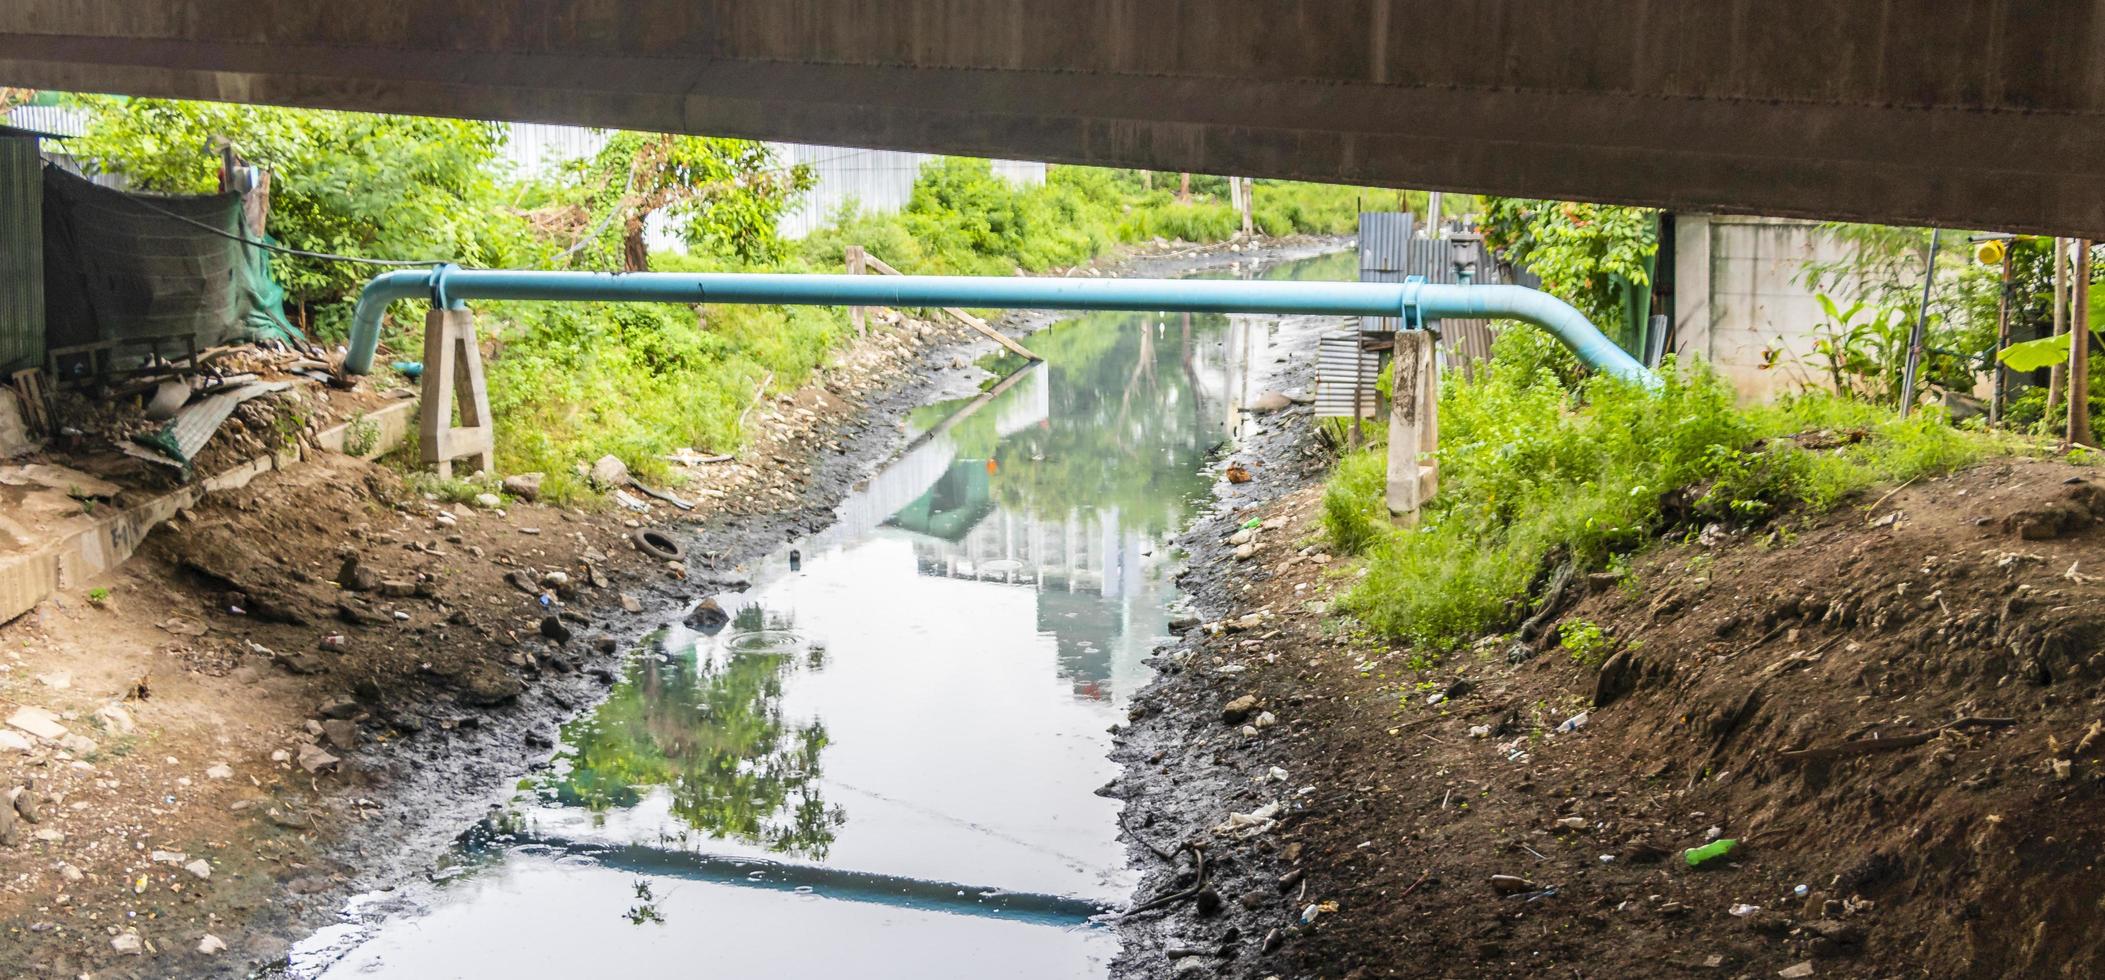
[280, 249]
[141, 201]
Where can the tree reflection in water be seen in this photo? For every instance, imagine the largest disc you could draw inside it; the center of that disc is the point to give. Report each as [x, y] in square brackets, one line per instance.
[705, 722]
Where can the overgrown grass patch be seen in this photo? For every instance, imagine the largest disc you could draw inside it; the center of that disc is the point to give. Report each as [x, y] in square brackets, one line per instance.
[1534, 473]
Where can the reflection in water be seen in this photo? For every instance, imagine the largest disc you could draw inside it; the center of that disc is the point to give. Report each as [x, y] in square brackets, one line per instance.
[880, 760]
[708, 726]
[1067, 483]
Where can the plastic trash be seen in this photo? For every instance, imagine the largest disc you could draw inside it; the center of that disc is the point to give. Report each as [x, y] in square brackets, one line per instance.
[1699, 856]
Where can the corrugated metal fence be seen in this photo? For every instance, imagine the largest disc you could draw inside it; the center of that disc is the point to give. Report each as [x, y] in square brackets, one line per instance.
[21, 255]
[878, 181]
[1391, 251]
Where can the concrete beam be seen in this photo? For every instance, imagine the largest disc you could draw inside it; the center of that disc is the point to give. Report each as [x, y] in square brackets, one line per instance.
[1970, 113]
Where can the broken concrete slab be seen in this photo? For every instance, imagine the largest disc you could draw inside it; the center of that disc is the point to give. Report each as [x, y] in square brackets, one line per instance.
[38, 722]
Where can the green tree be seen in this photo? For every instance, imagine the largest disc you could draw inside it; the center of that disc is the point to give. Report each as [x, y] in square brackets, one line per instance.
[348, 183]
[727, 193]
[1589, 255]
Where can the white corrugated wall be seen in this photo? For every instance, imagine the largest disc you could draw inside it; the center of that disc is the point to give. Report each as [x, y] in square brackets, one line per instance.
[879, 181]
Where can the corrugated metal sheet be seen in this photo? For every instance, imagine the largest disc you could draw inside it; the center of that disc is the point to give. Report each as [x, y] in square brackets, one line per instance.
[1384, 245]
[57, 120]
[21, 255]
[1345, 377]
[1391, 252]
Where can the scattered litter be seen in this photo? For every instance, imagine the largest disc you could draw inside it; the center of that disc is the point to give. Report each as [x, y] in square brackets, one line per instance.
[1743, 910]
[1573, 723]
[1276, 774]
[651, 491]
[1511, 885]
[1696, 857]
[1250, 824]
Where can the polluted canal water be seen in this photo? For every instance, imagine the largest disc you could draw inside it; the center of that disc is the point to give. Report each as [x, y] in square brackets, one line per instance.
[881, 759]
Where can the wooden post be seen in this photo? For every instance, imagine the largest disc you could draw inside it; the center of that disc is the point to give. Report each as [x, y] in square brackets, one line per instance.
[1414, 426]
[2079, 351]
[858, 263]
[2058, 374]
[1999, 381]
[453, 370]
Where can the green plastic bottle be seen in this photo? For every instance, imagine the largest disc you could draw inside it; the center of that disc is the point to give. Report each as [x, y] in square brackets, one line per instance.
[1699, 856]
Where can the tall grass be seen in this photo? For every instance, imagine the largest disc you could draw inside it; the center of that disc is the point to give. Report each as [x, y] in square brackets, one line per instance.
[1533, 473]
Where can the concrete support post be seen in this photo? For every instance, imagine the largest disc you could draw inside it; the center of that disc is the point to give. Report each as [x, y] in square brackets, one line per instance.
[1414, 426]
[453, 371]
[858, 263]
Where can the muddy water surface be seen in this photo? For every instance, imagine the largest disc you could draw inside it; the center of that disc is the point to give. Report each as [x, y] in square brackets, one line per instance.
[881, 759]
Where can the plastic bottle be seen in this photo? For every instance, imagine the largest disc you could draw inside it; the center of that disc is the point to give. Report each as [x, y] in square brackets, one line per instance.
[1699, 856]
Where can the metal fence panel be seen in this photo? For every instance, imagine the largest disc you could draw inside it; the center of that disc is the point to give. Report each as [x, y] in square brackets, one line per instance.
[21, 255]
[1345, 377]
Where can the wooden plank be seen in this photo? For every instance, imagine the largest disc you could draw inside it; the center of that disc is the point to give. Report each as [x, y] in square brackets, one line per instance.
[874, 264]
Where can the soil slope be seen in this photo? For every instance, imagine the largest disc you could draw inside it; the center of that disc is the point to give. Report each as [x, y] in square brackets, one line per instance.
[1893, 709]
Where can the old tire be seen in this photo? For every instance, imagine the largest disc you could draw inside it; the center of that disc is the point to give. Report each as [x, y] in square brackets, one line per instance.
[657, 544]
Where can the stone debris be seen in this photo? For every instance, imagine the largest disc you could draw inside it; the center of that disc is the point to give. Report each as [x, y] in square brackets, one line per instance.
[609, 471]
[38, 722]
[211, 945]
[314, 758]
[525, 486]
[115, 720]
[199, 868]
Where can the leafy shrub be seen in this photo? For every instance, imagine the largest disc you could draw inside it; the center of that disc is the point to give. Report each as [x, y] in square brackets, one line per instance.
[1534, 472]
[1588, 644]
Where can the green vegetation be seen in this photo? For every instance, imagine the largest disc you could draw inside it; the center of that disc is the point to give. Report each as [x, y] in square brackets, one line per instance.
[1534, 473]
[572, 382]
[1586, 641]
[1596, 257]
[98, 596]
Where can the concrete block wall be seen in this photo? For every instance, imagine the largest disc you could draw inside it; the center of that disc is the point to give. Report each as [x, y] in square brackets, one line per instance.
[1739, 291]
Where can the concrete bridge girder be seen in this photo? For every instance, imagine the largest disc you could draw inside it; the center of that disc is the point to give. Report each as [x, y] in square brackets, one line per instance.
[1965, 114]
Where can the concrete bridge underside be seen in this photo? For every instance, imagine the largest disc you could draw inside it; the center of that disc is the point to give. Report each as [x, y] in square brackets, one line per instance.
[1961, 113]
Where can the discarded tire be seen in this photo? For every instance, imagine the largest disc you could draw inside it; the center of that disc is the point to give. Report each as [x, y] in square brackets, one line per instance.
[657, 544]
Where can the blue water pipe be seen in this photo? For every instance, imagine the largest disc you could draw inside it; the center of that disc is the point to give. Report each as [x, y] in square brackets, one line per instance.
[1415, 303]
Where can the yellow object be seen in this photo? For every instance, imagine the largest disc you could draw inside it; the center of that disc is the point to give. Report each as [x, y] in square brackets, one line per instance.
[1989, 252]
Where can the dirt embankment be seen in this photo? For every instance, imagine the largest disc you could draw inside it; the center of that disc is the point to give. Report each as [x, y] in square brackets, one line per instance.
[1894, 711]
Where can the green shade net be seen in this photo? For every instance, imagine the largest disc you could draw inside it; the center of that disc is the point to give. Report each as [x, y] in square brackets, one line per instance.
[128, 269]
